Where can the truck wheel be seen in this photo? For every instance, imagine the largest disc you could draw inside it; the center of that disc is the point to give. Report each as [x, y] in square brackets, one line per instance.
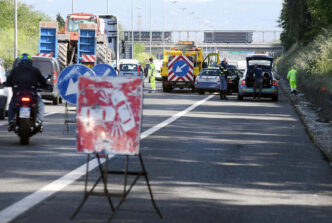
[200, 92]
[62, 54]
[239, 97]
[102, 52]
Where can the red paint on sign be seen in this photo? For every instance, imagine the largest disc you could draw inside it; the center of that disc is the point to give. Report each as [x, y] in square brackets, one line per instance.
[109, 115]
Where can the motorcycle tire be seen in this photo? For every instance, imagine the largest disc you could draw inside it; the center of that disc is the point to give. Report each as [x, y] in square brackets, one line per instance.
[24, 131]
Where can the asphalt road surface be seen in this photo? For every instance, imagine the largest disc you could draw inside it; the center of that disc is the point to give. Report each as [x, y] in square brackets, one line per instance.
[222, 161]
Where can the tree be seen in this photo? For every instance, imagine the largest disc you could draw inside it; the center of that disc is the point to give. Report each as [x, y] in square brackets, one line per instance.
[60, 21]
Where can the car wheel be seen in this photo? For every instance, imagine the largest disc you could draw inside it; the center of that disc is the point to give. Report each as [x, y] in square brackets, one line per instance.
[239, 97]
[56, 100]
[221, 95]
[201, 92]
[2, 113]
[275, 98]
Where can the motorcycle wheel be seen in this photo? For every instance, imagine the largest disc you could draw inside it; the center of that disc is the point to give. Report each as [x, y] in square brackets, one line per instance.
[24, 131]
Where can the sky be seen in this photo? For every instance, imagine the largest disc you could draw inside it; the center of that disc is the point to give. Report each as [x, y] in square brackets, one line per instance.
[178, 14]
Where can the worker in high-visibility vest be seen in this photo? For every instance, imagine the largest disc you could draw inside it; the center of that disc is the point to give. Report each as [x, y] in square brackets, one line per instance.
[291, 76]
[152, 75]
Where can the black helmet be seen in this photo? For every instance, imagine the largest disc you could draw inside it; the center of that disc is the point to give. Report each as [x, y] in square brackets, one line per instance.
[25, 59]
[151, 59]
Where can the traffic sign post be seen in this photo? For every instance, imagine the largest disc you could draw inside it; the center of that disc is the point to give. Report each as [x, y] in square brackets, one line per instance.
[68, 81]
[104, 70]
[109, 112]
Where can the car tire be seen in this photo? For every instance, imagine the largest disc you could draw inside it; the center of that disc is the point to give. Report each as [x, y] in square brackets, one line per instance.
[239, 97]
[275, 98]
[200, 92]
[3, 106]
[2, 113]
[56, 100]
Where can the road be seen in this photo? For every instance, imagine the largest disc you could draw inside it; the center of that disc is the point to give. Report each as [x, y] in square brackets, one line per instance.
[223, 161]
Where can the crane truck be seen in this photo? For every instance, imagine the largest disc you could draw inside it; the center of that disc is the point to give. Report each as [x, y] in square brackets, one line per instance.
[182, 64]
[84, 39]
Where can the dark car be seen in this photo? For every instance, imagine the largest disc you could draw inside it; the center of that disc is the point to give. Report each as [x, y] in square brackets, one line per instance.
[270, 83]
[49, 67]
[233, 77]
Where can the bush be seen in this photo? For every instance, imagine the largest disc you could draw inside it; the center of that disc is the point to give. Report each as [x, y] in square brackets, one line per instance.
[314, 65]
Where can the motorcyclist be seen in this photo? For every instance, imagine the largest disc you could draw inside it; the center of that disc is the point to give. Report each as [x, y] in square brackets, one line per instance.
[21, 78]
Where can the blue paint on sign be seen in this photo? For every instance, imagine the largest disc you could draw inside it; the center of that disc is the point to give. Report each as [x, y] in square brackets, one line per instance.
[180, 68]
[68, 81]
[104, 70]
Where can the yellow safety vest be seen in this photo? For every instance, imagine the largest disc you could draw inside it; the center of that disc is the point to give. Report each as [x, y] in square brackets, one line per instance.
[152, 68]
[292, 75]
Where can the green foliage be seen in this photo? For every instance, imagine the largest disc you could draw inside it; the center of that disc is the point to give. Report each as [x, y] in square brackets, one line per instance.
[303, 20]
[139, 54]
[314, 62]
[28, 29]
[60, 20]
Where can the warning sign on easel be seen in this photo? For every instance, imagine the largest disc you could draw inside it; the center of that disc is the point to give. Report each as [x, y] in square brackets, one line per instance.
[109, 115]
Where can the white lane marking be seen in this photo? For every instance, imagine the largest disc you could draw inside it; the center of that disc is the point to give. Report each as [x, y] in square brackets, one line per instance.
[31, 200]
[48, 114]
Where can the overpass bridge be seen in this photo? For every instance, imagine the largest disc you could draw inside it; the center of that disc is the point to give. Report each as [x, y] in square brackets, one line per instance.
[236, 44]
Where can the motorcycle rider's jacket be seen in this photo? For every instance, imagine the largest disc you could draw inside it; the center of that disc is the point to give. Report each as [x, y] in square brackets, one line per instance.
[24, 77]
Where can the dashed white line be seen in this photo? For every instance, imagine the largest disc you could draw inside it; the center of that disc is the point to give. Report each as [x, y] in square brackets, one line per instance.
[31, 200]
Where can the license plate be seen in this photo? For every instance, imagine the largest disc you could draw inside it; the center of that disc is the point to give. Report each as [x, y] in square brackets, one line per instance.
[24, 112]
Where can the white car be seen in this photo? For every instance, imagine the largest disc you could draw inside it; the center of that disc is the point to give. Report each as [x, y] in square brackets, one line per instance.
[5, 94]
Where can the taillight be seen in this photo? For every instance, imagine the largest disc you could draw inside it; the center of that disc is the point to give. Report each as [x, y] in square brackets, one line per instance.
[243, 82]
[55, 76]
[25, 99]
[274, 83]
[219, 81]
[138, 71]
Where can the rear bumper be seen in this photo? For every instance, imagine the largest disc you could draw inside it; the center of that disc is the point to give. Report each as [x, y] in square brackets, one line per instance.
[49, 95]
[212, 87]
[266, 92]
[179, 84]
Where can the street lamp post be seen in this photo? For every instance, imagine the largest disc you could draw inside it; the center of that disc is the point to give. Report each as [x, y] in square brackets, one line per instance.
[107, 7]
[163, 38]
[132, 29]
[72, 6]
[150, 26]
[15, 29]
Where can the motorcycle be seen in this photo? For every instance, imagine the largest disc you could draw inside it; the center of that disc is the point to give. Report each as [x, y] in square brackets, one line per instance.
[26, 109]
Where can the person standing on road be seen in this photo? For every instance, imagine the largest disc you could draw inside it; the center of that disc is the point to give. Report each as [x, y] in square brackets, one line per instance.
[258, 81]
[291, 76]
[224, 63]
[152, 75]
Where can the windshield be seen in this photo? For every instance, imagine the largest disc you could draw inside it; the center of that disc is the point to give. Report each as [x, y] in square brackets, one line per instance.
[260, 62]
[73, 24]
[128, 67]
[210, 73]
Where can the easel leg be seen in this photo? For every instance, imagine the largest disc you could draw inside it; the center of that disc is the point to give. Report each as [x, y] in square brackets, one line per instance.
[149, 187]
[86, 194]
[104, 174]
